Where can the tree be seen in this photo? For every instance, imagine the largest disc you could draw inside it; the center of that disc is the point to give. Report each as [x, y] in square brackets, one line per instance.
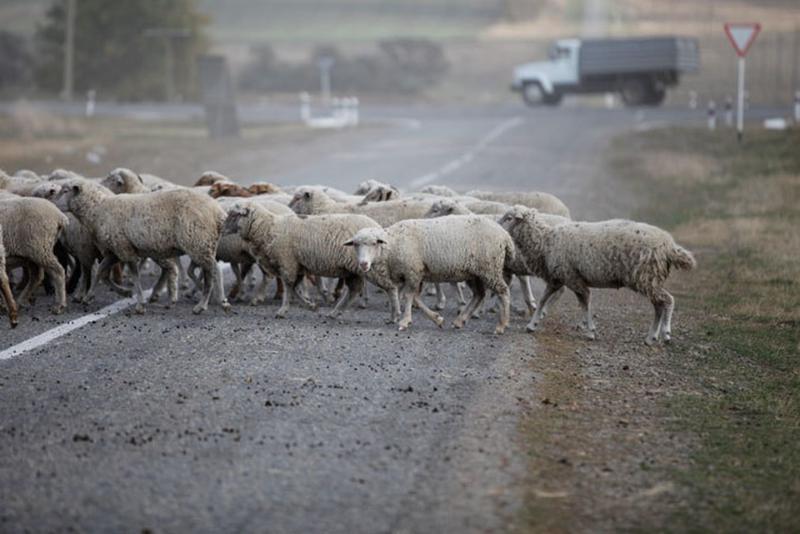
[113, 54]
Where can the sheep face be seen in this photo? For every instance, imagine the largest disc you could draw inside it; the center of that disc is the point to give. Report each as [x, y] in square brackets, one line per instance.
[210, 178]
[368, 244]
[64, 198]
[48, 191]
[514, 216]
[118, 179]
[301, 202]
[442, 208]
[234, 221]
[379, 193]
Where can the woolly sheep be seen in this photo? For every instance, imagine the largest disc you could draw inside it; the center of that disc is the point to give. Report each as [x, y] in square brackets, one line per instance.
[5, 287]
[27, 174]
[156, 225]
[31, 227]
[368, 185]
[228, 189]
[608, 254]
[544, 202]
[210, 178]
[76, 238]
[291, 247]
[124, 181]
[316, 202]
[264, 188]
[380, 193]
[467, 249]
[439, 190]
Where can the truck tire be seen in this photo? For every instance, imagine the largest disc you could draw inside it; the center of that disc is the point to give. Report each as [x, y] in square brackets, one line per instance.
[634, 91]
[533, 94]
[656, 96]
[553, 99]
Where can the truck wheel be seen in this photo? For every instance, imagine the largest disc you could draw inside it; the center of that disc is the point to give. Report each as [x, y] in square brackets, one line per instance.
[634, 92]
[656, 97]
[533, 94]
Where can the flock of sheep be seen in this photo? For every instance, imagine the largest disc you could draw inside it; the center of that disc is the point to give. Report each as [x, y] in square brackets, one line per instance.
[71, 232]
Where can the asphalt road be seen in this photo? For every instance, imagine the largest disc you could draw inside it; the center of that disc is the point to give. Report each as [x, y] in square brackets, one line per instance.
[241, 422]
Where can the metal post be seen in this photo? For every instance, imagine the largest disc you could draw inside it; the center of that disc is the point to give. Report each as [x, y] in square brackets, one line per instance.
[712, 115]
[740, 106]
[797, 107]
[69, 50]
[729, 112]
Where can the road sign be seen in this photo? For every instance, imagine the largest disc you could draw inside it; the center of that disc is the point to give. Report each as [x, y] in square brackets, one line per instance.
[742, 35]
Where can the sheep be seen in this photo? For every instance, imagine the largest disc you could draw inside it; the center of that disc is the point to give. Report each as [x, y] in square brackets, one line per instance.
[76, 238]
[439, 191]
[368, 185]
[380, 193]
[291, 247]
[464, 248]
[607, 254]
[158, 225]
[228, 189]
[264, 188]
[125, 181]
[27, 174]
[62, 174]
[31, 227]
[5, 287]
[21, 186]
[544, 202]
[210, 178]
[308, 201]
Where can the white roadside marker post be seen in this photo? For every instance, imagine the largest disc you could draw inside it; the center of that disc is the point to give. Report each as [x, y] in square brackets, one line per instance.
[797, 107]
[729, 112]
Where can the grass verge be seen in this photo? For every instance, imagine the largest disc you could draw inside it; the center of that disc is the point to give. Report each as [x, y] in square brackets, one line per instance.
[738, 208]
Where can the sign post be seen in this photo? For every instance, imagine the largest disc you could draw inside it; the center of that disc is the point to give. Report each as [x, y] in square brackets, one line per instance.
[741, 35]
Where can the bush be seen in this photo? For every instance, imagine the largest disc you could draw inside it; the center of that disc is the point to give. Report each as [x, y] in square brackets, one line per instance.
[400, 66]
[15, 61]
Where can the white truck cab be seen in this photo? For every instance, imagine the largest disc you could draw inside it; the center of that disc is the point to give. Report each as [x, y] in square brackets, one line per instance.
[538, 81]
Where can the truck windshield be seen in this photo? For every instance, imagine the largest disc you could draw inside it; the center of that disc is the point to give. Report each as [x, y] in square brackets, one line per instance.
[558, 53]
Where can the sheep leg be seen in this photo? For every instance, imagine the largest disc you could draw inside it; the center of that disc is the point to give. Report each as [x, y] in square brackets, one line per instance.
[281, 313]
[441, 298]
[169, 279]
[549, 292]
[478, 295]
[182, 273]
[56, 273]
[364, 296]
[410, 290]
[191, 272]
[394, 303]
[584, 296]
[552, 301]
[261, 291]
[429, 313]
[459, 288]
[527, 294]
[503, 294]
[5, 289]
[237, 285]
[354, 285]
[32, 278]
[133, 267]
[666, 318]
[212, 283]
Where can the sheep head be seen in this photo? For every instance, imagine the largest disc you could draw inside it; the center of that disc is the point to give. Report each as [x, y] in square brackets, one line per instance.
[368, 244]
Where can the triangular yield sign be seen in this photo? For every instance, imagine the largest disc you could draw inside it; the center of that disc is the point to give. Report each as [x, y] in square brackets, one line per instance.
[741, 35]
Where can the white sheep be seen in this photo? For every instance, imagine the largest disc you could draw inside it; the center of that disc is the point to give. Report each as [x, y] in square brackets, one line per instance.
[156, 225]
[308, 201]
[76, 238]
[368, 185]
[122, 180]
[544, 202]
[467, 249]
[608, 254]
[5, 287]
[31, 227]
[292, 247]
[439, 190]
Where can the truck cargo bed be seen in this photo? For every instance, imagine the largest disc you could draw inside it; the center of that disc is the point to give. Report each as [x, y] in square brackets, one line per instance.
[601, 57]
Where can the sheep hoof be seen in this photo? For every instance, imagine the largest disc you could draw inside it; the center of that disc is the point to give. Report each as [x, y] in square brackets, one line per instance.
[458, 325]
[532, 327]
[499, 330]
[198, 309]
[439, 320]
[281, 314]
[77, 299]
[649, 341]
[363, 304]
[87, 299]
[226, 306]
[154, 298]
[591, 335]
[333, 314]
[403, 325]
[667, 337]
[256, 301]
[58, 309]
[13, 323]
[138, 309]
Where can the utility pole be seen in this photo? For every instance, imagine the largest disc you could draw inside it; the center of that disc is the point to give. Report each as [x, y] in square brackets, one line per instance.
[69, 50]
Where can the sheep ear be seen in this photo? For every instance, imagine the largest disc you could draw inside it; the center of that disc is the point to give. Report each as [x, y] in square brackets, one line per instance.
[307, 195]
[119, 180]
[76, 189]
[381, 242]
[348, 243]
[139, 176]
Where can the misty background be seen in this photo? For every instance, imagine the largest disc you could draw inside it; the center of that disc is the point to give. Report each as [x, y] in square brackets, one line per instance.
[427, 50]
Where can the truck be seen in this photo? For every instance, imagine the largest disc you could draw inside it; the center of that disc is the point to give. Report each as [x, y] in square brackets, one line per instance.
[639, 69]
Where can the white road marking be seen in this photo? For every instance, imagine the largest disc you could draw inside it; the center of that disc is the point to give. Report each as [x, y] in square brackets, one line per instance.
[64, 329]
[454, 165]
